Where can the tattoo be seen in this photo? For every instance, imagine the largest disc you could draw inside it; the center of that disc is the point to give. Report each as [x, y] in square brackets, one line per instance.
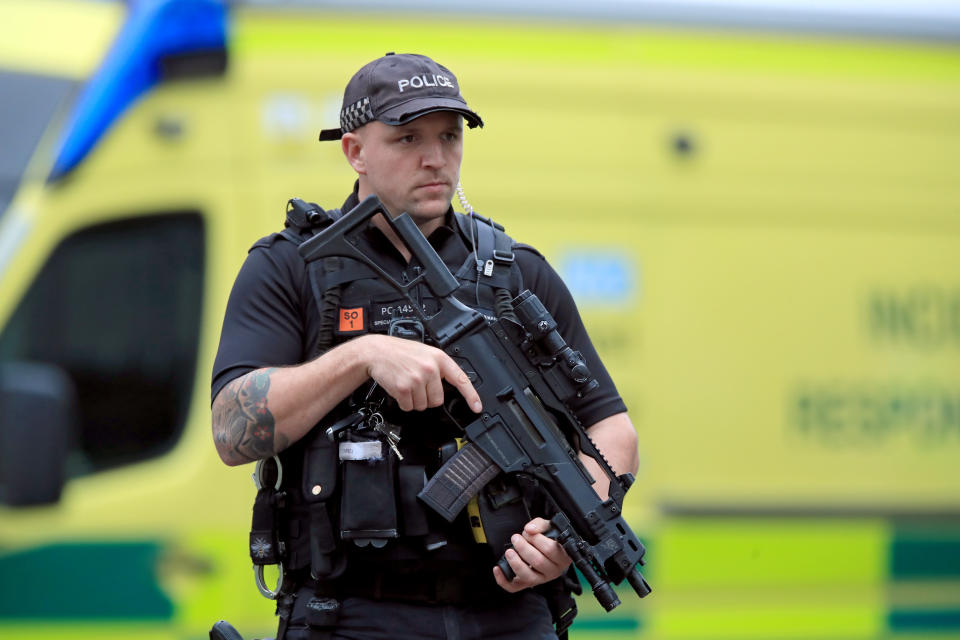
[243, 426]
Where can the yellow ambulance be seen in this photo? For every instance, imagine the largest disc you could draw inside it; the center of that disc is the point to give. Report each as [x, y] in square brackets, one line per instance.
[762, 233]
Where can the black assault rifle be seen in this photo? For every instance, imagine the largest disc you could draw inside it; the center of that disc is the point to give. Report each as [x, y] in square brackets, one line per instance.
[524, 373]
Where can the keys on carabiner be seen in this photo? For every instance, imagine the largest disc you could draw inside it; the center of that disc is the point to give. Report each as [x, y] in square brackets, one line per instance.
[351, 420]
[377, 423]
[370, 406]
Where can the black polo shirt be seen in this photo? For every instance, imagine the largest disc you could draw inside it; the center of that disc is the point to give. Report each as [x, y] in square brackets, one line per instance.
[272, 320]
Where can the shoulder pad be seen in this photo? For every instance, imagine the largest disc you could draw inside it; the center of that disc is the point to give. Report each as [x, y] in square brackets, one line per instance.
[265, 241]
[472, 225]
[464, 219]
[488, 221]
[494, 260]
[525, 247]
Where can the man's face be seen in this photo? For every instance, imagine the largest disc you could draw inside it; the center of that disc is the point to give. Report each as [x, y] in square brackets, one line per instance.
[412, 168]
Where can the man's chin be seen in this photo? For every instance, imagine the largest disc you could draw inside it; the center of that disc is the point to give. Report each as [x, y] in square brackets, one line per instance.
[429, 210]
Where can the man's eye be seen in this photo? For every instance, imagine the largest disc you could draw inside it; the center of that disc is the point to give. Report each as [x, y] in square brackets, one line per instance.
[406, 139]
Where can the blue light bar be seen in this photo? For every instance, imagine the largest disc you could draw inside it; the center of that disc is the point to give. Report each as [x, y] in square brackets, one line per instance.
[154, 30]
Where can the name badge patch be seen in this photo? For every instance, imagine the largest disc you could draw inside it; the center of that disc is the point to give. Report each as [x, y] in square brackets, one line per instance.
[382, 313]
[351, 320]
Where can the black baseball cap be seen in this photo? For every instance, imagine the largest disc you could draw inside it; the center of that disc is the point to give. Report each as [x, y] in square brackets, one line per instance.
[396, 89]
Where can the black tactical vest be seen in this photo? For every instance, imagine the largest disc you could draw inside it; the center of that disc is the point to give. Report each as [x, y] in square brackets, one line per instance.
[327, 511]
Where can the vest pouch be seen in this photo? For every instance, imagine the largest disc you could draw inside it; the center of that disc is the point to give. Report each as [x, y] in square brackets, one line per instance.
[319, 480]
[318, 485]
[412, 480]
[368, 501]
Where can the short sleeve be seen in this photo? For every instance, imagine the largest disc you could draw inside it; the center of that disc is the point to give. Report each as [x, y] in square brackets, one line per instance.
[546, 284]
[264, 322]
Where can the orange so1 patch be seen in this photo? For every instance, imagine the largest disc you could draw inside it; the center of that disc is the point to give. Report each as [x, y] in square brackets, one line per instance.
[351, 320]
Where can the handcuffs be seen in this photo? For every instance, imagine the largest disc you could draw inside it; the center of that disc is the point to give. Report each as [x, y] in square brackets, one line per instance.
[258, 472]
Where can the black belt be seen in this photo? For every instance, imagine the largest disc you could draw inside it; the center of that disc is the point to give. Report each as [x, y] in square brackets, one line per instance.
[421, 587]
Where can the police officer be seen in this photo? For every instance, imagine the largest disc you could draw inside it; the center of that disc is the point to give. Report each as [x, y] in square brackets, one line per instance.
[402, 132]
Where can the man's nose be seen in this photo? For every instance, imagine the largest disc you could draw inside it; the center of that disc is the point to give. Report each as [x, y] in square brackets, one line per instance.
[433, 155]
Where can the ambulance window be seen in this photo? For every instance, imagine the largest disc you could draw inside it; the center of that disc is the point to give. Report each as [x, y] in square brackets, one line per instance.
[30, 102]
[117, 306]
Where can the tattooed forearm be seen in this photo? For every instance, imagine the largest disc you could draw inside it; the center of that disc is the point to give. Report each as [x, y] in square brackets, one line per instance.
[243, 427]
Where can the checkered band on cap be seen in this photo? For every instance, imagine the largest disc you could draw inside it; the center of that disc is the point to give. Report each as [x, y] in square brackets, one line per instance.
[396, 89]
[356, 115]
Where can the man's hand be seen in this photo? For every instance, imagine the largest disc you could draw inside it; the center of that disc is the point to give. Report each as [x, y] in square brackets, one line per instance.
[412, 373]
[535, 558]
[262, 412]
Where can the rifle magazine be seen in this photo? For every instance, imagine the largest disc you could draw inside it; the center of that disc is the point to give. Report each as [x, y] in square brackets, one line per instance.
[457, 481]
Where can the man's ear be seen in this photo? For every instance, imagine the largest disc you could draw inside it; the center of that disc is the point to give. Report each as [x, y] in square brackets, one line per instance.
[352, 146]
